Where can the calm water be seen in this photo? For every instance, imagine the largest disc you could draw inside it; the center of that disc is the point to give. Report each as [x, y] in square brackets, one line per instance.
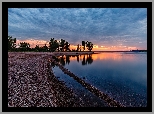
[123, 76]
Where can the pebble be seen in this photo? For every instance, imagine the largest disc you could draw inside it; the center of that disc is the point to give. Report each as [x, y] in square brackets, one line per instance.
[30, 78]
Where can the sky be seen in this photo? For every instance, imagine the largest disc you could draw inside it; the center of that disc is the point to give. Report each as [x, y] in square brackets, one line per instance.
[106, 28]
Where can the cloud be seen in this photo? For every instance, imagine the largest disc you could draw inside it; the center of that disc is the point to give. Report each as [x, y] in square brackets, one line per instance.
[99, 25]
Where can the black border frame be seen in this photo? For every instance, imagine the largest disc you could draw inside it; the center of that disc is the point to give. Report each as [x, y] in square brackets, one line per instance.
[6, 5]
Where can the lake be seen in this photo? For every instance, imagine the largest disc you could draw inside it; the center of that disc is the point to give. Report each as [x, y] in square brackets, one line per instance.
[121, 75]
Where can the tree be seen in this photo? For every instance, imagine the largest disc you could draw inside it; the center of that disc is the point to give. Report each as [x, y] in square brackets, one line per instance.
[78, 48]
[24, 46]
[67, 46]
[83, 44]
[53, 45]
[44, 48]
[37, 48]
[11, 43]
[62, 44]
[56, 45]
[89, 45]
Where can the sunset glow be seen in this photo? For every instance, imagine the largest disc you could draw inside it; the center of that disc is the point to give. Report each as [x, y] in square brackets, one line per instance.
[104, 56]
[41, 43]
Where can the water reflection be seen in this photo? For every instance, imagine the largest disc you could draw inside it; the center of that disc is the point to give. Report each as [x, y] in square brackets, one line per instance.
[88, 60]
[119, 56]
[122, 76]
[77, 58]
[65, 59]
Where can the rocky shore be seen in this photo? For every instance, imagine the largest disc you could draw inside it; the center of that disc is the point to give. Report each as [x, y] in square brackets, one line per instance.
[31, 82]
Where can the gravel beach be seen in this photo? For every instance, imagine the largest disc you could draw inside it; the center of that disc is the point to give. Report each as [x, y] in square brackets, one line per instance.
[31, 82]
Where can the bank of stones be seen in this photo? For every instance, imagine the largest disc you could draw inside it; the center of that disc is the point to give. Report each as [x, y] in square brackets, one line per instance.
[31, 83]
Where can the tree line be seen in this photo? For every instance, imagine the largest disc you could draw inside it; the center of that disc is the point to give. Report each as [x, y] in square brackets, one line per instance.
[54, 45]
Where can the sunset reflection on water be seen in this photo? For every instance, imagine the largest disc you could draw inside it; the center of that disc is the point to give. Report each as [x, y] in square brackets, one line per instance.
[121, 75]
[105, 56]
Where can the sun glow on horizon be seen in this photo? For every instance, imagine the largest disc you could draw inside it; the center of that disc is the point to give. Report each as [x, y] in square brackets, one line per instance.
[103, 56]
[96, 47]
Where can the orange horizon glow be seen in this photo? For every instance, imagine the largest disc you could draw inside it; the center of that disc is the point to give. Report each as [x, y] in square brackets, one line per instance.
[104, 56]
[41, 43]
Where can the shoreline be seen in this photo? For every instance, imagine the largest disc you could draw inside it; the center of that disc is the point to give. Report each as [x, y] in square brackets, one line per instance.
[31, 82]
[32, 76]
[71, 53]
[53, 53]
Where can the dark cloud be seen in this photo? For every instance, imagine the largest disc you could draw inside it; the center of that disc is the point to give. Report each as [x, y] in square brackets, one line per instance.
[76, 24]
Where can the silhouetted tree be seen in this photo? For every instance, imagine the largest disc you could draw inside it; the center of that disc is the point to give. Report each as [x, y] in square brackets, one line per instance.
[45, 48]
[53, 45]
[37, 48]
[11, 43]
[89, 45]
[32, 49]
[80, 47]
[77, 48]
[24, 46]
[67, 45]
[83, 44]
[62, 44]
